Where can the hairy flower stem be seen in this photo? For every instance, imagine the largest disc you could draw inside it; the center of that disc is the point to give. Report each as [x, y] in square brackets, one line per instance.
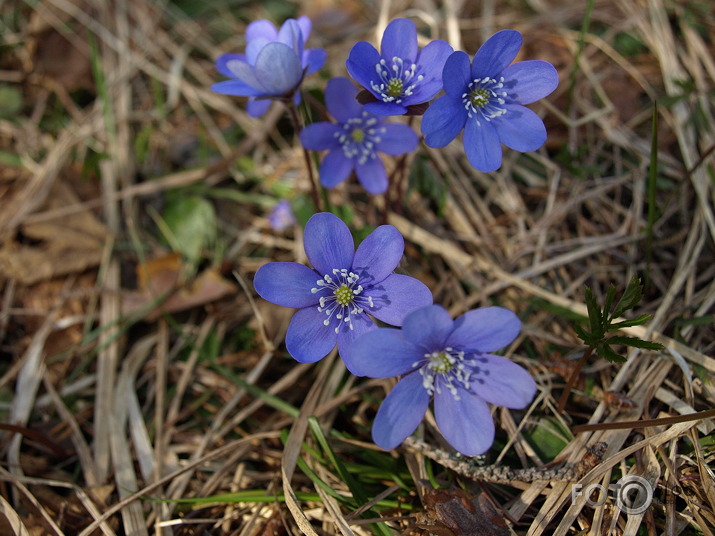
[572, 379]
[298, 126]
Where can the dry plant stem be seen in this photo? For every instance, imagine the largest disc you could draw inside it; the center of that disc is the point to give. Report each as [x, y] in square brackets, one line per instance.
[624, 425]
[298, 126]
[572, 379]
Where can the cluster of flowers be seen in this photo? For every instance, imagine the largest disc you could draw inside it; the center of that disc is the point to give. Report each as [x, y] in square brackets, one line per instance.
[450, 361]
[484, 97]
[438, 358]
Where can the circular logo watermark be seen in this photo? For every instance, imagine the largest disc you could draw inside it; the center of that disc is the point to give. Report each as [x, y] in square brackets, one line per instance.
[633, 494]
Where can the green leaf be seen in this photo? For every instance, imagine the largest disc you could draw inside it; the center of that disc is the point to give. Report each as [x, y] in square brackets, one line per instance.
[630, 298]
[607, 353]
[595, 315]
[610, 294]
[10, 102]
[191, 220]
[628, 323]
[635, 342]
[549, 437]
[585, 336]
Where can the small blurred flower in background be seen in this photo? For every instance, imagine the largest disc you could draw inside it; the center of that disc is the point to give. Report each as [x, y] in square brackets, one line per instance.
[281, 217]
[273, 66]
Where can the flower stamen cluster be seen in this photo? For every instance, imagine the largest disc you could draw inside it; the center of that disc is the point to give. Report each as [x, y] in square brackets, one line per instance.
[395, 81]
[484, 98]
[444, 369]
[343, 297]
[359, 137]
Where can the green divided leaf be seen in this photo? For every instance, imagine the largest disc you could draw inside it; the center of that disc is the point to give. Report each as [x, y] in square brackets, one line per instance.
[630, 298]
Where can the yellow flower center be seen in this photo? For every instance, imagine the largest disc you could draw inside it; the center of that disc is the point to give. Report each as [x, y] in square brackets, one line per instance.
[441, 363]
[479, 97]
[358, 135]
[394, 87]
[344, 295]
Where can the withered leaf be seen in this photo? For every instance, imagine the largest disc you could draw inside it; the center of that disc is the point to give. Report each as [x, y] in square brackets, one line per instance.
[455, 512]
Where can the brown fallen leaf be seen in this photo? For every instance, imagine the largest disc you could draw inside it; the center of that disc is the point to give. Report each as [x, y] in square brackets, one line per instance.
[454, 512]
[65, 245]
[162, 289]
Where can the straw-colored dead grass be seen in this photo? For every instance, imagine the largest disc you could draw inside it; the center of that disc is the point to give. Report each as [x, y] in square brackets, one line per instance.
[105, 414]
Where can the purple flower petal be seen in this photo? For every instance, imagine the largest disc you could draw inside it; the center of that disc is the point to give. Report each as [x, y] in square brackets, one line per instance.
[243, 72]
[443, 121]
[335, 168]
[401, 412]
[340, 99]
[362, 324]
[261, 29]
[482, 145]
[223, 61]
[432, 58]
[328, 243]
[520, 128]
[503, 382]
[320, 136]
[287, 284]
[428, 328]
[305, 25]
[372, 175]
[366, 355]
[484, 330]
[465, 423]
[424, 91]
[314, 59]
[237, 88]
[397, 139]
[254, 47]
[361, 63]
[399, 40]
[529, 81]
[257, 107]
[496, 54]
[278, 69]
[309, 340]
[396, 297]
[378, 255]
[291, 34]
[385, 108]
[456, 75]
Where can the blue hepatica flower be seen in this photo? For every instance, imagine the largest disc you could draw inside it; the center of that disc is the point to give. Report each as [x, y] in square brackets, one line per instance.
[402, 75]
[486, 100]
[335, 297]
[450, 361]
[355, 140]
[273, 66]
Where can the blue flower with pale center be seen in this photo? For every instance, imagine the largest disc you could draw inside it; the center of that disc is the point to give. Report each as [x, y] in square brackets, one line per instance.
[273, 66]
[486, 99]
[355, 140]
[401, 75]
[335, 297]
[450, 361]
